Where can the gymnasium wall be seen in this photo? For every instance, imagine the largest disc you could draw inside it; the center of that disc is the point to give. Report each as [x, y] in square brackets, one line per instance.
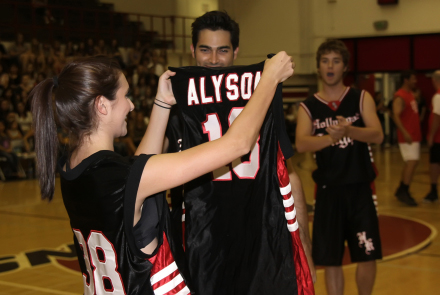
[192, 8]
[299, 26]
[354, 18]
[166, 7]
[265, 27]
[195, 8]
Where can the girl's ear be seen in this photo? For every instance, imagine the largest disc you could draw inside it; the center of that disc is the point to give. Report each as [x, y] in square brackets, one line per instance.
[101, 105]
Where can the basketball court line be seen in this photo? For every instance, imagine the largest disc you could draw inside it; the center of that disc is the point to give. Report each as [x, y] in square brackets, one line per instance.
[405, 252]
[419, 246]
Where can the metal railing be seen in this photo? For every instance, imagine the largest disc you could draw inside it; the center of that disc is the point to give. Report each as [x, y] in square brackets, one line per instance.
[63, 23]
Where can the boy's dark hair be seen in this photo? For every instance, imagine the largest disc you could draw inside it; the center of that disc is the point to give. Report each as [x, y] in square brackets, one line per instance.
[336, 46]
[216, 20]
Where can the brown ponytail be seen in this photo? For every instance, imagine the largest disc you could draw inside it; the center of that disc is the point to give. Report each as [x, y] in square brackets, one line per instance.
[68, 100]
[46, 140]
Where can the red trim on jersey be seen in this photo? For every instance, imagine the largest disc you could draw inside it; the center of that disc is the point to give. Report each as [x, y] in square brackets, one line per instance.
[218, 93]
[361, 102]
[233, 87]
[197, 101]
[257, 152]
[334, 105]
[373, 194]
[203, 98]
[376, 172]
[257, 79]
[303, 277]
[103, 254]
[243, 88]
[94, 267]
[81, 246]
[165, 274]
[110, 282]
[309, 114]
[205, 131]
[166, 280]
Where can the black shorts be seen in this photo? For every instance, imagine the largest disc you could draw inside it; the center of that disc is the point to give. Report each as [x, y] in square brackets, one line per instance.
[434, 153]
[345, 213]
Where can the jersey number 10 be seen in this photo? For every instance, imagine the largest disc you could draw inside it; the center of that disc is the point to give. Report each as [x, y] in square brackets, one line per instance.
[243, 170]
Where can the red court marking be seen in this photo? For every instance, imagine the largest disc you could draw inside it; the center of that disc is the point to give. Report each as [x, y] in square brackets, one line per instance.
[398, 235]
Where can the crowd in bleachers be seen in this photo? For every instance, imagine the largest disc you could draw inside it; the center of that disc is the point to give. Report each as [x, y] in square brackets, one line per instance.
[25, 63]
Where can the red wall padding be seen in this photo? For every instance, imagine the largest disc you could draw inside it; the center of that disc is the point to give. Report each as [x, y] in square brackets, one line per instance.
[366, 82]
[350, 79]
[350, 47]
[383, 54]
[427, 52]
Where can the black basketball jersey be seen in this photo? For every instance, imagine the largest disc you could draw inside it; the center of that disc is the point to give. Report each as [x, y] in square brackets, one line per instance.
[99, 195]
[347, 161]
[175, 137]
[236, 238]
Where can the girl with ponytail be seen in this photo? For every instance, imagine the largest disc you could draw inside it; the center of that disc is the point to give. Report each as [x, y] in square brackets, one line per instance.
[118, 213]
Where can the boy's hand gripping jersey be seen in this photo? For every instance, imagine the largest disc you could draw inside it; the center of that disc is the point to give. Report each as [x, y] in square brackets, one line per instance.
[241, 233]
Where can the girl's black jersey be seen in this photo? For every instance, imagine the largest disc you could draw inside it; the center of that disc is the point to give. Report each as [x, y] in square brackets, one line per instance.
[99, 195]
[236, 237]
[347, 161]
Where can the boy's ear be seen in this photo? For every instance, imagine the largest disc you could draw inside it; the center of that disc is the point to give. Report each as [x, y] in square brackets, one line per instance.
[192, 50]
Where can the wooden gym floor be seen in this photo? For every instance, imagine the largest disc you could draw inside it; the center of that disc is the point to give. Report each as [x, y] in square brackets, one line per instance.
[35, 257]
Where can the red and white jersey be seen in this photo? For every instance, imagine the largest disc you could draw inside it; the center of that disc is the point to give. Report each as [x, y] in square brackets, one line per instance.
[409, 116]
[240, 219]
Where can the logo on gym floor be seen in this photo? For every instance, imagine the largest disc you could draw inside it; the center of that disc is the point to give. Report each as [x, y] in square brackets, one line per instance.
[399, 236]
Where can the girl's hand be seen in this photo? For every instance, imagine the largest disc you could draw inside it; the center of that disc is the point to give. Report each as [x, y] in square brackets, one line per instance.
[165, 90]
[280, 67]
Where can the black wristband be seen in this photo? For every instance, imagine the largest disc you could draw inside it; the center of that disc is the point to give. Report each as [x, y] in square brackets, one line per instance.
[163, 102]
[162, 106]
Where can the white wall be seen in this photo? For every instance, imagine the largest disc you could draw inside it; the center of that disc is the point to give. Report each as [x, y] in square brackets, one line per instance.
[299, 26]
[265, 27]
[195, 8]
[192, 8]
[354, 18]
[275, 25]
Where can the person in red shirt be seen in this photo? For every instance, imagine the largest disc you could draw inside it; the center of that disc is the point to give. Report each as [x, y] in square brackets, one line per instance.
[434, 140]
[406, 118]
